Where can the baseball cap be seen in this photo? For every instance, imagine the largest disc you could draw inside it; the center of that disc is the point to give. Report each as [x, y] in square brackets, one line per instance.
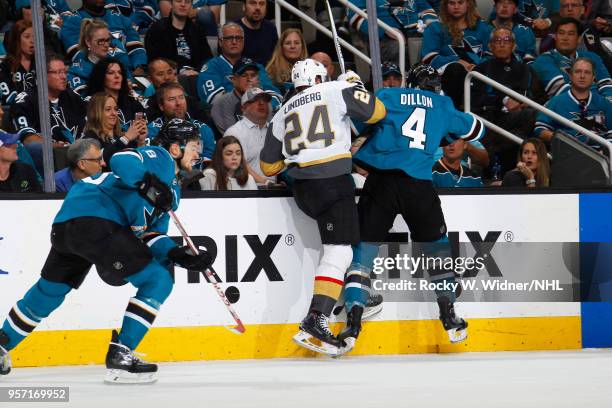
[8, 138]
[243, 64]
[390, 68]
[252, 93]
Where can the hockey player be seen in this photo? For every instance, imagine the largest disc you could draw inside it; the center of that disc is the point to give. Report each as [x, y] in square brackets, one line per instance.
[399, 157]
[117, 222]
[311, 134]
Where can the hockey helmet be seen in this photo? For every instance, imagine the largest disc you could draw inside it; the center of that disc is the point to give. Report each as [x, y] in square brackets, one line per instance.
[424, 77]
[178, 131]
[305, 73]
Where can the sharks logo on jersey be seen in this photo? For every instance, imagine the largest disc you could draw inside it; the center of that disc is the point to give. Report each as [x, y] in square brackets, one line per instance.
[467, 51]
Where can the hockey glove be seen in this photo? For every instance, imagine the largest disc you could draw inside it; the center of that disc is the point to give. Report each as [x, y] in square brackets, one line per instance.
[185, 258]
[351, 77]
[156, 192]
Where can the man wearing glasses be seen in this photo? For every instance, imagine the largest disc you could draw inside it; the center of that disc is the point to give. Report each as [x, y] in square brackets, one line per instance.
[495, 106]
[214, 78]
[84, 160]
[505, 11]
[66, 111]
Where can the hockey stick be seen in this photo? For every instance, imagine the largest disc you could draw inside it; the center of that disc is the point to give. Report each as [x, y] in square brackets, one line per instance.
[332, 23]
[239, 328]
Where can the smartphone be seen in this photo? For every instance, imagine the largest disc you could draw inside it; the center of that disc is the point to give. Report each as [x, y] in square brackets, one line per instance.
[140, 116]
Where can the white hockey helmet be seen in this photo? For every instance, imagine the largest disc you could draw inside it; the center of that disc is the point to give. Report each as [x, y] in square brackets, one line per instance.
[305, 73]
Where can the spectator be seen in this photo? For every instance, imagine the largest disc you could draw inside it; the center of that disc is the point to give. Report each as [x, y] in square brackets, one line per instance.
[260, 35]
[326, 60]
[590, 39]
[55, 9]
[228, 169]
[84, 160]
[495, 106]
[103, 125]
[66, 111]
[580, 104]
[455, 44]
[110, 76]
[391, 75]
[141, 12]
[535, 14]
[525, 44]
[251, 130]
[407, 17]
[205, 13]
[214, 80]
[118, 24]
[162, 71]
[553, 66]
[449, 172]
[290, 48]
[94, 46]
[598, 13]
[226, 110]
[532, 167]
[172, 103]
[15, 176]
[178, 39]
[18, 71]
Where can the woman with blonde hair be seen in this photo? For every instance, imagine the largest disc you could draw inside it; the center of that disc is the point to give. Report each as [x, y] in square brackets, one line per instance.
[290, 48]
[103, 124]
[532, 167]
[456, 44]
[95, 44]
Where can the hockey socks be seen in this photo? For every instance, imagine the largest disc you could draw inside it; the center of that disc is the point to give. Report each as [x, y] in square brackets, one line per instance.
[329, 277]
[357, 281]
[38, 303]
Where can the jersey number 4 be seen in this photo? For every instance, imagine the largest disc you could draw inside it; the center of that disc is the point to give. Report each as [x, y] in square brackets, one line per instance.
[413, 128]
[319, 130]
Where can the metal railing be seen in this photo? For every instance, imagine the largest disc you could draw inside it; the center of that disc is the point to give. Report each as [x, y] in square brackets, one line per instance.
[393, 33]
[517, 96]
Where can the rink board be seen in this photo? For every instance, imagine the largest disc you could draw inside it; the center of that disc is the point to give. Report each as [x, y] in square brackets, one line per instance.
[268, 250]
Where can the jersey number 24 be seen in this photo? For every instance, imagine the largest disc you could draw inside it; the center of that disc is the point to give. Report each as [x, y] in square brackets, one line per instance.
[319, 130]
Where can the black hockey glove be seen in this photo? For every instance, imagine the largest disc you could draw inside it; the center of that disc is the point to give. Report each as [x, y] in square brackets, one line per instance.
[156, 192]
[185, 258]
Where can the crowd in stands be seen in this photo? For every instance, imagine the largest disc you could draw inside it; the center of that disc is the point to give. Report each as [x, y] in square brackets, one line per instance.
[117, 70]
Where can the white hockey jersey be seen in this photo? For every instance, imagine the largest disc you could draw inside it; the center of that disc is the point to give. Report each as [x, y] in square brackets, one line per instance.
[311, 132]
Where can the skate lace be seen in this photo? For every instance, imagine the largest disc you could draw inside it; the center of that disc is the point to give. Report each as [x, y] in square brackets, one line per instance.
[322, 322]
[130, 356]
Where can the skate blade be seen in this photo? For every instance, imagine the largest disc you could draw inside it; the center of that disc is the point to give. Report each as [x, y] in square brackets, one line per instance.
[305, 340]
[114, 376]
[457, 335]
[370, 312]
[350, 344]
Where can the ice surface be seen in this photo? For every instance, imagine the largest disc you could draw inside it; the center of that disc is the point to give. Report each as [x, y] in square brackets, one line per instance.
[517, 379]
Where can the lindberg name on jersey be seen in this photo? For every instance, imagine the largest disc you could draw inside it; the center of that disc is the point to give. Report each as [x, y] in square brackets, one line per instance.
[416, 99]
[302, 100]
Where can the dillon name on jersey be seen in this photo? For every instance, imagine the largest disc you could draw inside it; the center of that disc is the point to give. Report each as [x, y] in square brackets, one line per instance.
[408, 137]
[313, 128]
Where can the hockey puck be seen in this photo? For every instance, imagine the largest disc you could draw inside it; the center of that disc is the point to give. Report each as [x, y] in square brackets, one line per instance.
[232, 294]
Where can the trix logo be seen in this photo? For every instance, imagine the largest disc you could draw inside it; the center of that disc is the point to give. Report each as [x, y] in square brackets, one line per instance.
[262, 262]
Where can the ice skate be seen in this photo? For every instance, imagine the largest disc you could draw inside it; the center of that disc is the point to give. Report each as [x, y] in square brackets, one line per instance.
[5, 357]
[373, 307]
[455, 326]
[315, 335]
[124, 367]
[351, 331]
